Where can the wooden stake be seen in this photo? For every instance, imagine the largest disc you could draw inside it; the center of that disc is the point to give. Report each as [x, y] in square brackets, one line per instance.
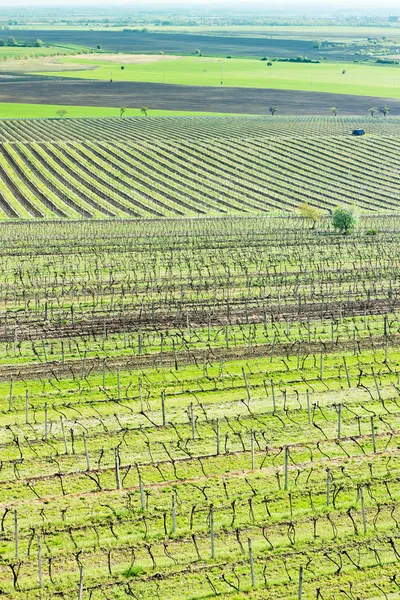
[273, 396]
[286, 468]
[63, 434]
[252, 451]
[300, 595]
[81, 576]
[40, 573]
[339, 423]
[364, 517]
[10, 401]
[373, 434]
[212, 534]
[87, 453]
[192, 420]
[173, 514]
[253, 578]
[347, 372]
[16, 533]
[141, 395]
[308, 406]
[27, 407]
[246, 384]
[84, 365]
[376, 384]
[141, 488]
[218, 438]
[46, 426]
[163, 406]
[328, 487]
[117, 473]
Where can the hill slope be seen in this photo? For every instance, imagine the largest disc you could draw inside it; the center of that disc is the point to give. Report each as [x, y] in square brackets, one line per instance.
[195, 166]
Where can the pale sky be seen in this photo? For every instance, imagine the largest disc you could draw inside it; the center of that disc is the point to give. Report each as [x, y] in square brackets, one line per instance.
[264, 6]
[362, 7]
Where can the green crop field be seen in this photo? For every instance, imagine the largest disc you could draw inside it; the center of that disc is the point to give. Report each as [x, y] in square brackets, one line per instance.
[11, 110]
[25, 52]
[195, 166]
[200, 408]
[360, 79]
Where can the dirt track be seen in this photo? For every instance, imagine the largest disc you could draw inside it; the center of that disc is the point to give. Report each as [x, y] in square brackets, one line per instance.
[77, 92]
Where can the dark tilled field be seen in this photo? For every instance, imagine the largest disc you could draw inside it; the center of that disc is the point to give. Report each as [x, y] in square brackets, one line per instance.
[78, 92]
[131, 41]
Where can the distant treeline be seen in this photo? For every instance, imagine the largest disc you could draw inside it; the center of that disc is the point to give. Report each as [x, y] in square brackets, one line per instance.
[11, 42]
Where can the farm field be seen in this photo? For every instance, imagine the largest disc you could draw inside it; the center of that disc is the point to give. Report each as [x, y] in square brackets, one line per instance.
[199, 409]
[46, 111]
[360, 79]
[307, 32]
[185, 44]
[16, 52]
[195, 166]
[157, 96]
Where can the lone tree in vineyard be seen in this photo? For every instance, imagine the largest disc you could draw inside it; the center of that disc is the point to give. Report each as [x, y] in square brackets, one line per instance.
[122, 110]
[273, 109]
[372, 111]
[144, 110]
[385, 111]
[61, 113]
[334, 111]
[310, 212]
[344, 220]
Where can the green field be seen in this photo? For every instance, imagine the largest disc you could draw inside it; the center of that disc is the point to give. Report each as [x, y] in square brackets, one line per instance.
[9, 110]
[358, 79]
[26, 52]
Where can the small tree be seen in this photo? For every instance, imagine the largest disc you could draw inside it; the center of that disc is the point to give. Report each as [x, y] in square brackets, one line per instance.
[144, 110]
[38, 44]
[61, 113]
[122, 67]
[311, 213]
[273, 109]
[372, 111]
[197, 52]
[344, 220]
[11, 41]
[385, 111]
[122, 111]
[334, 111]
[98, 47]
